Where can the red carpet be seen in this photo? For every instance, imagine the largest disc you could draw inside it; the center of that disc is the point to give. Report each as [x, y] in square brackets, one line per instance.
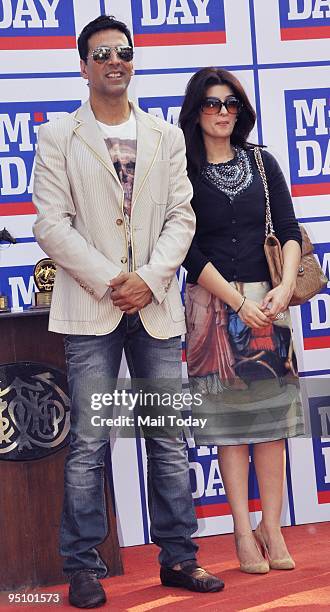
[307, 588]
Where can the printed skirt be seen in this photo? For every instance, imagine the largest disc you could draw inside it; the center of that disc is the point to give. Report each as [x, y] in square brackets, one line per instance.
[246, 378]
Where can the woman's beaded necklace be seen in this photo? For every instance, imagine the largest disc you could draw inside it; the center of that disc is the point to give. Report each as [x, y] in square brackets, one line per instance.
[231, 177]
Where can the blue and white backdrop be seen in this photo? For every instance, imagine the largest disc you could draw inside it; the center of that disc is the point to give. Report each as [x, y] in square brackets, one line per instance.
[280, 51]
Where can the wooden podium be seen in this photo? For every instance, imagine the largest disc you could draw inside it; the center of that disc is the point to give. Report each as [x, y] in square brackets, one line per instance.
[32, 490]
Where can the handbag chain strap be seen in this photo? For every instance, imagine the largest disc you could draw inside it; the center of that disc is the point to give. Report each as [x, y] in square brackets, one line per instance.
[269, 228]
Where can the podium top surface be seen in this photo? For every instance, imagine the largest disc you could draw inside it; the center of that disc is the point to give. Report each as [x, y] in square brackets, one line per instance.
[30, 312]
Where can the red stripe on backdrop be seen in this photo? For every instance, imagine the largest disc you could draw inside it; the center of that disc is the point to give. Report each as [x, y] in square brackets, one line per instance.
[17, 208]
[323, 497]
[223, 509]
[318, 342]
[310, 189]
[37, 42]
[305, 33]
[179, 38]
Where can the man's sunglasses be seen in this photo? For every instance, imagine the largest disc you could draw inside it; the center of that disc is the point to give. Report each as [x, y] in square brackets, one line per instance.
[102, 54]
[213, 106]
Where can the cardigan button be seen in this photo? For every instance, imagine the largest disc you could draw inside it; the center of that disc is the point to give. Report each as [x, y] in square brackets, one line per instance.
[233, 239]
[123, 260]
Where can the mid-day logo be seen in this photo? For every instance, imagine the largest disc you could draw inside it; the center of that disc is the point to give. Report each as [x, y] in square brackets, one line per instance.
[320, 423]
[315, 314]
[304, 19]
[17, 282]
[178, 22]
[308, 122]
[37, 24]
[207, 486]
[166, 107]
[19, 123]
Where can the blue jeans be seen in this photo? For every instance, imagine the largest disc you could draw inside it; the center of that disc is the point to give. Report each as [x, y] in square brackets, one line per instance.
[93, 364]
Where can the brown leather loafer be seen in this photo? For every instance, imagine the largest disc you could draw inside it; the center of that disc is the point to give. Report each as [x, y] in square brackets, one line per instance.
[85, 590]
[191, 577]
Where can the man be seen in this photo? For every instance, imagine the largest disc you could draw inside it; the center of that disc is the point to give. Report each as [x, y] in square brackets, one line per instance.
[114, 213]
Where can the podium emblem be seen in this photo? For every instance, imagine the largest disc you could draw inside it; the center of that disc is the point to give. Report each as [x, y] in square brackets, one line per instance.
[34, 411]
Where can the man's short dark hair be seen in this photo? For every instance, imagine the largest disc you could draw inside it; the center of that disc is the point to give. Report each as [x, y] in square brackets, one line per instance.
[104, 22]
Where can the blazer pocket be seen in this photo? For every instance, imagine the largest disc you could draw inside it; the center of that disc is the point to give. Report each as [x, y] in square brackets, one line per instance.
[71, 302]
[158, 182]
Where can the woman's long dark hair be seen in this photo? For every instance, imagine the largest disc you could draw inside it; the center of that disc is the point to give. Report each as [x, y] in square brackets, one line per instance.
[189, 115]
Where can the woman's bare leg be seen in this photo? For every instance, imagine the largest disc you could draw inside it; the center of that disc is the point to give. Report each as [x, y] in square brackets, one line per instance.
[234, 468]
[269, 461]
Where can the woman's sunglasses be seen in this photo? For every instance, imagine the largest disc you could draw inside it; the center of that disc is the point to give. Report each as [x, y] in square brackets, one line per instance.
[213, 106]
[102, 54]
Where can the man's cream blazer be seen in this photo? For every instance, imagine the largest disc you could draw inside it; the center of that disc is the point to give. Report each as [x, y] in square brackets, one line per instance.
[80, 222]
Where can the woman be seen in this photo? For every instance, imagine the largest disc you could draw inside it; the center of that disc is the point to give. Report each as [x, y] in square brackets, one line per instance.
[239, 345]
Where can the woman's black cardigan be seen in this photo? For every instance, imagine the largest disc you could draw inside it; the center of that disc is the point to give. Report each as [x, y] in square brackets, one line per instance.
[231, 234]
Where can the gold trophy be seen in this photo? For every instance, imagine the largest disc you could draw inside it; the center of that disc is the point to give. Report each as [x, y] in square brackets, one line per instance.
[44, 277]
[4, 303]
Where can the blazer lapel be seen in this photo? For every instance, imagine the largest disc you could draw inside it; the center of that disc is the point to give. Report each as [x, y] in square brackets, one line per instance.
[88, 130]
[149, 137]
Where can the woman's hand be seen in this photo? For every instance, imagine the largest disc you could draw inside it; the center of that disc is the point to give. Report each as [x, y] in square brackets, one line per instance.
[252, 315]
[277, 300]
